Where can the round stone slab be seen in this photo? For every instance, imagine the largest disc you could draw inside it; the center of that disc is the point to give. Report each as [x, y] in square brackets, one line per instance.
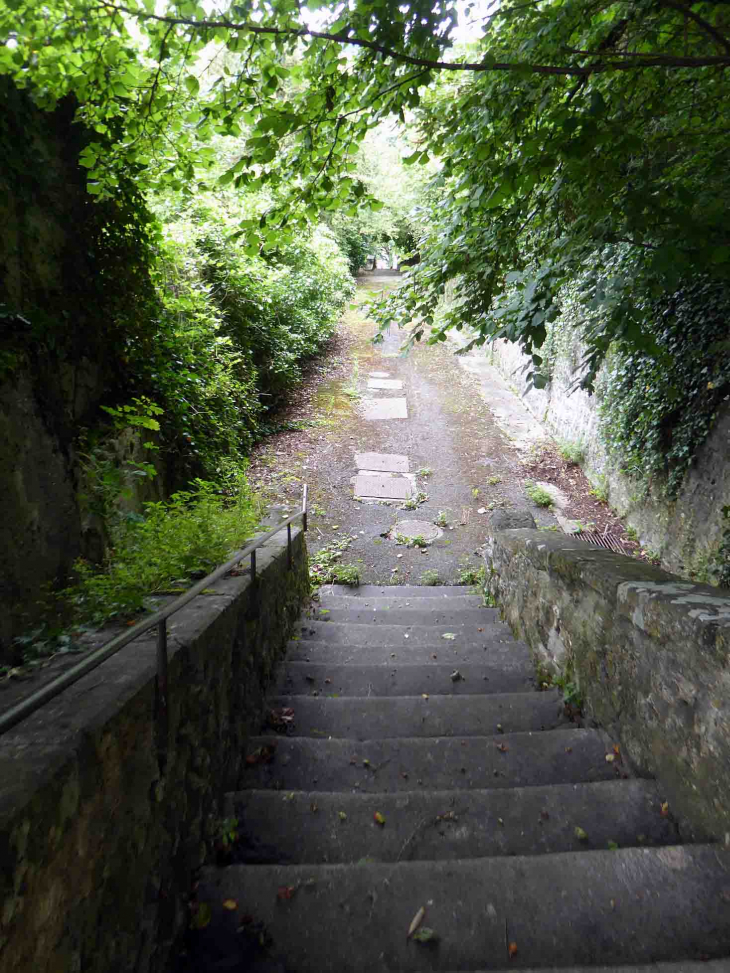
[417, 528]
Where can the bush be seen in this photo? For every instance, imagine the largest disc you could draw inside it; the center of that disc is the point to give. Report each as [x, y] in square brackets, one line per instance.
[230, 333]
[192, 532]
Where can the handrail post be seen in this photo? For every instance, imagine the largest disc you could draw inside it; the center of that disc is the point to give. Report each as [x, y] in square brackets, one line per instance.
[304, 508]
[288, 546]
[254, 609]
[161, 694]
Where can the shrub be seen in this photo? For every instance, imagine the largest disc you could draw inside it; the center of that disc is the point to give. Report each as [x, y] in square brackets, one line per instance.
[192, 532]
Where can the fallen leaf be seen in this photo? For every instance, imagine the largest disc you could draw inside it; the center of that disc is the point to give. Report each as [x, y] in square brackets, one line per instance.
[456, 676]
[425, 695]
[286, 892]
[230, 904]
[449, 635]
[580, 834]
[502, 747]
[366, 762]
[612, 846]
[201, 916]
[379, 819]
[343, 816]
[616, 749]
[416, 921]
[665, 809]
[544, 815]
[512, 950]
[314, 808]
[568, 749]
[610, 757]
[425, 935]
[263, 755]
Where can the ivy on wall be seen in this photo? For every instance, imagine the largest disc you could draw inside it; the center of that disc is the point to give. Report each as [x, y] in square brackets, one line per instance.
[657, 411]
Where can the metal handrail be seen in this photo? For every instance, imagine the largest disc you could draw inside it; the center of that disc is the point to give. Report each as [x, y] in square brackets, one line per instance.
[33, 702]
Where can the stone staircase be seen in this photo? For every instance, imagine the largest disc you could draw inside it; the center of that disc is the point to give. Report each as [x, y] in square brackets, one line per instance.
[422, 770]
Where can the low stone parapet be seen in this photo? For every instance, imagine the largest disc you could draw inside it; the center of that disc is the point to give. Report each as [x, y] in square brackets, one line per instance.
[104, 815]
[648, 653]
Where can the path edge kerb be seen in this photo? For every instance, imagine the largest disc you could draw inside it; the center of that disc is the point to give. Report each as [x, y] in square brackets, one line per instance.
[648, 651]
[98, 845]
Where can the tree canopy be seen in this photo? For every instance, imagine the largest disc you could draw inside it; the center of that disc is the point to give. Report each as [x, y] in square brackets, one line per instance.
[571, 138]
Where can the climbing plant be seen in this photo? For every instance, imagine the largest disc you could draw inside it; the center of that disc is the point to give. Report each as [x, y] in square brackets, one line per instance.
[657, 410]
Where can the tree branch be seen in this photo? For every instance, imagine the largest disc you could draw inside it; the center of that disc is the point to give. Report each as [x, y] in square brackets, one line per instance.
[641, 63]
[706, 26]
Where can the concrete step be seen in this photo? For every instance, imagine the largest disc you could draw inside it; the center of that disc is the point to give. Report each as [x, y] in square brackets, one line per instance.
[305, 678]
[374, 718]
[365, 591]
[300, 826]
[462, 602]
[634, 905]
[681, 966]
[404, 764]
[413, 650]
[350, 633]
[445, 615]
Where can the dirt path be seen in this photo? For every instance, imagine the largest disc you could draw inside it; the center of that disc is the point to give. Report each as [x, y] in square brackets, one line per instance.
[449, 431]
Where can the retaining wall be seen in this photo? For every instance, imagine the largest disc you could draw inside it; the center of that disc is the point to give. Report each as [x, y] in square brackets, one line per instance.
[99, 836]
[685, 533]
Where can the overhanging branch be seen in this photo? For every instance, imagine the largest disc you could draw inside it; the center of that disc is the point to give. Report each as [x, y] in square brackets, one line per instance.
[616, 62]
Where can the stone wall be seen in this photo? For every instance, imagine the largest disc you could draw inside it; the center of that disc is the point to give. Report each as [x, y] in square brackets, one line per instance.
[100, 829]
[72, 279]
[648, 652]
[684, 533]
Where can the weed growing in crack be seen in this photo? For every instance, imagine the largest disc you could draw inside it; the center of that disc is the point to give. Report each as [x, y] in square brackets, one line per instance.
[538, 494]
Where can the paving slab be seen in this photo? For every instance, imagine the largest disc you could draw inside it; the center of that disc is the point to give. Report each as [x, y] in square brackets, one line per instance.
[383, 487]
[382, 462]
[385, 383]
[375, 410]
[417, 528]
[379, 374]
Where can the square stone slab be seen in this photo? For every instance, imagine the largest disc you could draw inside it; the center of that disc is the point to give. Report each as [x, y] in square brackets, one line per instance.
[379, 374]
[376, 409]
[383, 487]
[385, 383]
[387, 462]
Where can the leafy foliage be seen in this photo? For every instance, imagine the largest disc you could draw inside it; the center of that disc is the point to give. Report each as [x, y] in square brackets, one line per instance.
[192, 532]
[539, 495]
[656, 411]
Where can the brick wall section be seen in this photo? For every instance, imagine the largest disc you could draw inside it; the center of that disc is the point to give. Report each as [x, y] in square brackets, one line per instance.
[97, 846]
[649, 652]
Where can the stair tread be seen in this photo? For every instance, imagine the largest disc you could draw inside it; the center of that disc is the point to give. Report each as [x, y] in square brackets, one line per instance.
[364, 633]
[476, 824]
[427, 606]
[434, 615]
[634, 905]
[365, 591]
[405, 679]
[528, 759]
[411, 650]
[381, 718]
